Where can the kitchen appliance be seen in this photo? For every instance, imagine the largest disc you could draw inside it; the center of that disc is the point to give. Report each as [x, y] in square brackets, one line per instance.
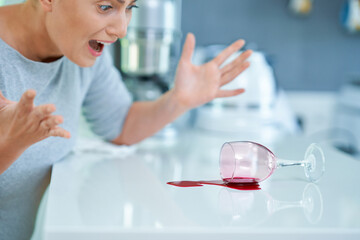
[147, 57]
[149, 52]
[262, 110]
[347, 117]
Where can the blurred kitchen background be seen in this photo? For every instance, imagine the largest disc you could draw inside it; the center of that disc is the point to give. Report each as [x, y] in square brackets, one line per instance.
[305, 72]
[310, 51]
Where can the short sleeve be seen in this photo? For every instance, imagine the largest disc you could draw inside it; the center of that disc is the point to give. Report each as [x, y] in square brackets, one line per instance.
[107, 100]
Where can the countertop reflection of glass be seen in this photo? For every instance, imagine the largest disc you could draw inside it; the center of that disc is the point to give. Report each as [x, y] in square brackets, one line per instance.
[248, 208]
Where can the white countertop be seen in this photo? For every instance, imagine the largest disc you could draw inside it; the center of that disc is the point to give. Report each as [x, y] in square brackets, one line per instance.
[124, 195]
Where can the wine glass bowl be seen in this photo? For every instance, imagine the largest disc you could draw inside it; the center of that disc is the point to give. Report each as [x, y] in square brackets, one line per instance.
[250, 162]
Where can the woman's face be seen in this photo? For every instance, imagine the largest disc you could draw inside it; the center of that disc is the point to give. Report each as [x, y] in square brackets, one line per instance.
[78, 28]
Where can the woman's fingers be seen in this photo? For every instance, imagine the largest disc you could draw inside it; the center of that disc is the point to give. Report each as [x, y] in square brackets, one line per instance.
[233, 73]
[229, 93]
[42, 111]
[31, 124]
[51, 122]
[59, 132]
[236, 46]
[26, 102]
[238, 61]
[45, 122]
[188, 48]
[50, 126]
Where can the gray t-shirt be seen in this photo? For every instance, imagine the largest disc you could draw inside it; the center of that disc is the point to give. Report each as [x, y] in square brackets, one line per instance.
[98, 91]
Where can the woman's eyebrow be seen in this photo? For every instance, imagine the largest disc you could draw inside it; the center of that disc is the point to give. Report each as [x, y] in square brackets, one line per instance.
[123, 1]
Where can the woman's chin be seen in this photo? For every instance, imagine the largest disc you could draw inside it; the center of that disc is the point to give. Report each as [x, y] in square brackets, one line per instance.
[84, 62]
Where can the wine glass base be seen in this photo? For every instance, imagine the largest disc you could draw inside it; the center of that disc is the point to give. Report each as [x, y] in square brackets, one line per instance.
[312, 203]
[314, 163]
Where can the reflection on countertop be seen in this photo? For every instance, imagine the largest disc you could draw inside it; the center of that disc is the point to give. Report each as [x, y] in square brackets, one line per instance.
[126, 195]
[249, 208]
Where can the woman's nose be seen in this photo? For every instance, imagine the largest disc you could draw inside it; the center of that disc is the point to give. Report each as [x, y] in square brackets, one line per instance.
[118, 26]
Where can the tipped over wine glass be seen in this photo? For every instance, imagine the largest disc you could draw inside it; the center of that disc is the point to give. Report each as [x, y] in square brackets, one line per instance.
[250, 162]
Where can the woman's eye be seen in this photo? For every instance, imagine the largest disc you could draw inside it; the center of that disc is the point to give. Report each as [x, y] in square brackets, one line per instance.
[131, 7]
[105, 8]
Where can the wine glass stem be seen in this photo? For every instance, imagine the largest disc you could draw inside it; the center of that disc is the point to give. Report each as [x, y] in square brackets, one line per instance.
[279, 205]
[285, 163]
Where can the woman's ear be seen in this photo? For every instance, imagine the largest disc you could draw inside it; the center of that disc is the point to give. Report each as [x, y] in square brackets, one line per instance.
[46, 4]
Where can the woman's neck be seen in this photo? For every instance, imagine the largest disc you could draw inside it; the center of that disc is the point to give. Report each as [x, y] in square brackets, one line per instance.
[26, 32]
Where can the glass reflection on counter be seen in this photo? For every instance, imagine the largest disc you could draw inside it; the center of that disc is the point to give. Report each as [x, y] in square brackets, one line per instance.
[248, 208]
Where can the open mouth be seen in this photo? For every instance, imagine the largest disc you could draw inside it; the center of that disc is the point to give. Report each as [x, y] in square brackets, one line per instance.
[96, 46]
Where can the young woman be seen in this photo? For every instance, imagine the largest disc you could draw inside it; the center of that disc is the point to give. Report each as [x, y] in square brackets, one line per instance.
[53, 66]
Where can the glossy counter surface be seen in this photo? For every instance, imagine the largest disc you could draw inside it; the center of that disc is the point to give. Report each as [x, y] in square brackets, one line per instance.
[124, 195]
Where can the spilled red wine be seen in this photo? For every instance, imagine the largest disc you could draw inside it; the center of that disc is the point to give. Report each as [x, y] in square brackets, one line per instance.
[239, 183]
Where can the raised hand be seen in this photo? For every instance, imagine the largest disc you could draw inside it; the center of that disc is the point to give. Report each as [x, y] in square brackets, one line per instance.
[23, 124]
[197, 85]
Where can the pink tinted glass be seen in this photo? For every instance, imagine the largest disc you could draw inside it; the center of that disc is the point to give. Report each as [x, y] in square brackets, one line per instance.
[245, 162]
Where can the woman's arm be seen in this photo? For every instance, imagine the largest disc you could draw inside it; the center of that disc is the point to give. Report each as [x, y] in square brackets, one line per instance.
[146, 118]
[194, 86]
[8, 155]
